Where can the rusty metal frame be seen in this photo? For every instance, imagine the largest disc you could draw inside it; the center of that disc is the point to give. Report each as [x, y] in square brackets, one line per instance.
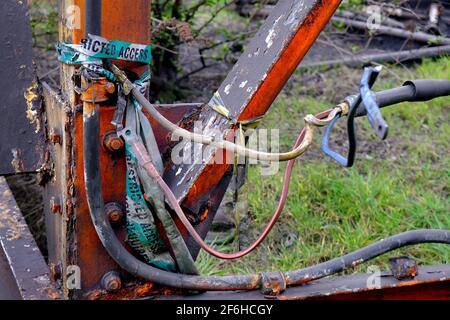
[254, 82]
[248, 91]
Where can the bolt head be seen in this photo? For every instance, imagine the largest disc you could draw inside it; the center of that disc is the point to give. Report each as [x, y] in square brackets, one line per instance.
[114, 212]
[111, 281]
[113, 143]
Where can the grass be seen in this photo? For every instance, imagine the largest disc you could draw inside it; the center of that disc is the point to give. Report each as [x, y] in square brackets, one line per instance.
[397, 185]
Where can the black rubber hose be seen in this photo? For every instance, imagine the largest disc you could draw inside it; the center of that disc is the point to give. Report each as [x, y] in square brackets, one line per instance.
[411, 91]
[367, 253]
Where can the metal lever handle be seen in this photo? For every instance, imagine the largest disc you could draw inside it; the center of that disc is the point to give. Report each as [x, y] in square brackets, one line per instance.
[370, 103]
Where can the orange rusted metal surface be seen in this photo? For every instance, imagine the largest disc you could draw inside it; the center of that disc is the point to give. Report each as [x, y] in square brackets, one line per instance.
[121, 20]
[293, 54]
[130, 21]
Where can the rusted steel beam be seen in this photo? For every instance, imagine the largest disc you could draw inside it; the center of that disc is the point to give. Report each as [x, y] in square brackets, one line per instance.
[72, 239]
[27, 265]
[251, 87]
[21, 126]
[432, 283]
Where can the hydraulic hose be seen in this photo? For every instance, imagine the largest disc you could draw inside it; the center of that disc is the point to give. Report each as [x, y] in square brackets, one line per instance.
[417, 90]
[220, 283]
[420, 90]
[411, 91]
[92, 178]
[227, 145]
[136, 267]
[367, 253]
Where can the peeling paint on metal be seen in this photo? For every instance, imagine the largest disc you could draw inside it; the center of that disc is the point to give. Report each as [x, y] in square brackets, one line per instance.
[17, 162]
[33, 99]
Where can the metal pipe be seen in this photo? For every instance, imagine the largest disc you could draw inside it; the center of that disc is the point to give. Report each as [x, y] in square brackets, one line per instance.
[93, 17]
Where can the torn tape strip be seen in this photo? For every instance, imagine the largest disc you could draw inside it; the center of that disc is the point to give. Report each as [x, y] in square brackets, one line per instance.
[95, 48]
[143, 235]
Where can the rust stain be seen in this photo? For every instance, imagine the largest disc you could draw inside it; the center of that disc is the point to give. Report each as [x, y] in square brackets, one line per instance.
[128, 293]
[52, 294]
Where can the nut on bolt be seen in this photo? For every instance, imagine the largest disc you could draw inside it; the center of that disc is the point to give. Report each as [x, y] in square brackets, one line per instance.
[111, 281]
[114, 212]
[112, 142]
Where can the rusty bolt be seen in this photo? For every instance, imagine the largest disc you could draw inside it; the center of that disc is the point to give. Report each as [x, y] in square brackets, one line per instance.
[114, 212]
[110, 87]
[55, 138]
[112, 142]
[55, 205]
[111, 281]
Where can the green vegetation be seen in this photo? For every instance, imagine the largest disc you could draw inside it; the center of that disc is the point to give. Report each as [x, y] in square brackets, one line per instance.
[398, 185]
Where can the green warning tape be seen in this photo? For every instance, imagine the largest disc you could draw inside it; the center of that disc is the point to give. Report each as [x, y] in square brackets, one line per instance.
[94, 48]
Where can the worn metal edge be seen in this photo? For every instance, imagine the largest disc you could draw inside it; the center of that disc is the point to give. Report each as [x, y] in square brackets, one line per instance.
[31, 273]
